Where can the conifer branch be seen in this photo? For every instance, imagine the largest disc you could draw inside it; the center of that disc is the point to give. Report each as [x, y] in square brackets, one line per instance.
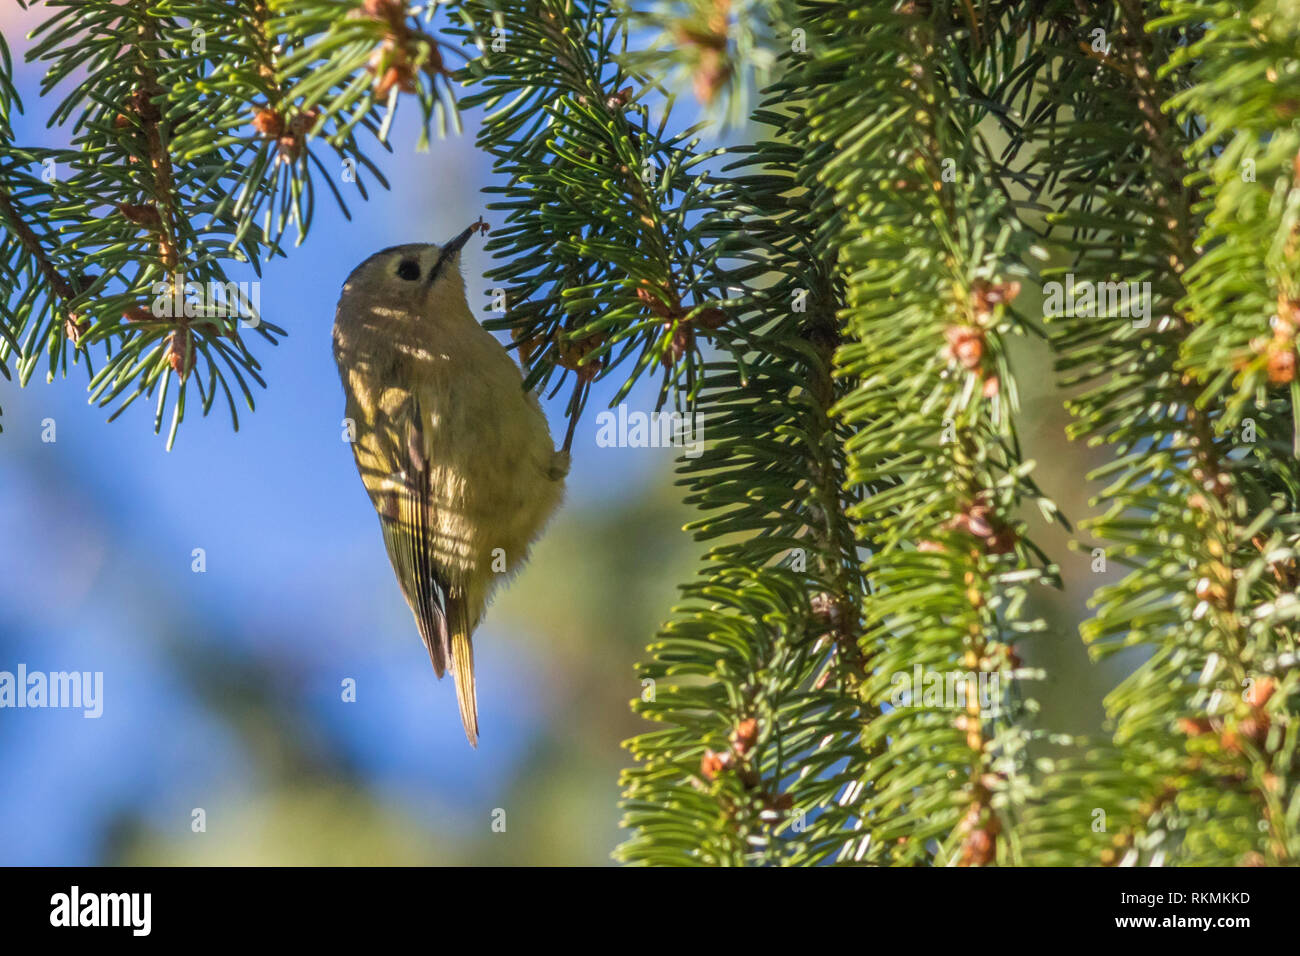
[932, 403]
[1185, 526]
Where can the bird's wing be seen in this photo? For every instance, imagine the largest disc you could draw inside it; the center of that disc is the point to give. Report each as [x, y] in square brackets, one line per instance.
[408, 519]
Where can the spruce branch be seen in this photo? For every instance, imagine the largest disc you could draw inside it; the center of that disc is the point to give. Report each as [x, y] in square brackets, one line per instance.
[766, 643]
[196, 133]
[932, 401]
[1182, 509]
[604, 259]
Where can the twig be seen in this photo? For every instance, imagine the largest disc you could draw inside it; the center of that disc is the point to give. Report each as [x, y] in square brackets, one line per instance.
[32, 243]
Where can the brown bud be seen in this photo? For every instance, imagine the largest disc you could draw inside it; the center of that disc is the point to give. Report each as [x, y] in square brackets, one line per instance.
[713, 764]
[392, 11]
[180, 352]
[711, 319]
[141, 215]
[1254, 727]
[398, 74]
[290, 148]
[744, 736]
[433, 66]
[977, 522]
[1193, 727]
[1287, 318]
[392, 76]
[620, 99]
[573, 354]
[977, 849]
[683, 339]
[1004, 293]
[713, 36]
[985, 296]
[711, 75]
[1281, 364]
[302, 123]
[825, 611]
[665, 305]
[1260, 692]
[1214, 593]
[965, 345]
[74, 327]
[1002, 541]
[269, 122]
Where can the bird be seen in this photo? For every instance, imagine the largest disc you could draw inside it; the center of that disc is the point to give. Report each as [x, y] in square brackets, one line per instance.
[455, 455]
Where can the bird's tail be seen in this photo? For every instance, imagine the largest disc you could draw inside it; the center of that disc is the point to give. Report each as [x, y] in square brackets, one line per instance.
[462, 665]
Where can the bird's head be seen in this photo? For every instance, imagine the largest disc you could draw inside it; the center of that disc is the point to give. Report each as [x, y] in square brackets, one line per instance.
[412, 282]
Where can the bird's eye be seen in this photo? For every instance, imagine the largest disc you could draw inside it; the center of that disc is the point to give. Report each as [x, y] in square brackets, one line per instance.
[408, 269]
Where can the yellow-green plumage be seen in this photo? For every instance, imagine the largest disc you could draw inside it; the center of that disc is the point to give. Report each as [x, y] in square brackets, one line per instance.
[457, 458]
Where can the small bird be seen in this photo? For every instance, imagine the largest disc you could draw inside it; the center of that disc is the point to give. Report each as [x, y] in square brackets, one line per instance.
[456, 456]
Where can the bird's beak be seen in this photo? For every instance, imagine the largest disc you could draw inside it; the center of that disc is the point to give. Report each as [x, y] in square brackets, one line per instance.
[449, 251]
[453, 247]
